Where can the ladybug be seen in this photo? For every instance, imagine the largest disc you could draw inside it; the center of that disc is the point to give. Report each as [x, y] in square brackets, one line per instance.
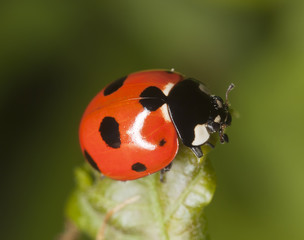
[131, 128]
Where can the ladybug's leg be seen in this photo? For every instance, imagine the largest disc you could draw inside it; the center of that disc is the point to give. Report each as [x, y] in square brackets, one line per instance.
[209, 144]
[163, 171]
[197, 151]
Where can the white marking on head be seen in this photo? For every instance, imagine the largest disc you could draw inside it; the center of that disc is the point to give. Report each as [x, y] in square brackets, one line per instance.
[172, 70]
[219, 103]
[217, 119]
[201, 135]
[203, 88]
[165, 112]
[167, 88]
[135, 131]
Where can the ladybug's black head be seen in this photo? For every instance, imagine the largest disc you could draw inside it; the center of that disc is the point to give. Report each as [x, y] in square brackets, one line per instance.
[195, 114]
[220, 117]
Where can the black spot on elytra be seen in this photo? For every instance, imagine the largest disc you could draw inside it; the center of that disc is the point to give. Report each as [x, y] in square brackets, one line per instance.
[162, 142]
[109, 131]
[91, 161]
[139, 167]
[152, 98]
[114, 86]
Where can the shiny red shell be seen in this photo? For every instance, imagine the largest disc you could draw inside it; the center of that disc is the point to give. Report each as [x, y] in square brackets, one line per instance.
[148, 139]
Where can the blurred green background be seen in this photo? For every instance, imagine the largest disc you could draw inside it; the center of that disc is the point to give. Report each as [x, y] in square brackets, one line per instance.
[56, 55]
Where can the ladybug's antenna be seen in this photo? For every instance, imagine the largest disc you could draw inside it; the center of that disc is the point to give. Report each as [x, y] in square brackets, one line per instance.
[231, 86]
[223, 136]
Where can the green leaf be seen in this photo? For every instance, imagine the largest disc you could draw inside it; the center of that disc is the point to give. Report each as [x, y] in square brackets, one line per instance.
[145, 209]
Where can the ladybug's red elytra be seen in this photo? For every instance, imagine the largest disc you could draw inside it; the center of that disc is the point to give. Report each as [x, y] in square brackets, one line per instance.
[131, 128]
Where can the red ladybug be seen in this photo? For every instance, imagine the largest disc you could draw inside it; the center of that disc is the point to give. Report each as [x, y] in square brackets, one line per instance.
[130, 129]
